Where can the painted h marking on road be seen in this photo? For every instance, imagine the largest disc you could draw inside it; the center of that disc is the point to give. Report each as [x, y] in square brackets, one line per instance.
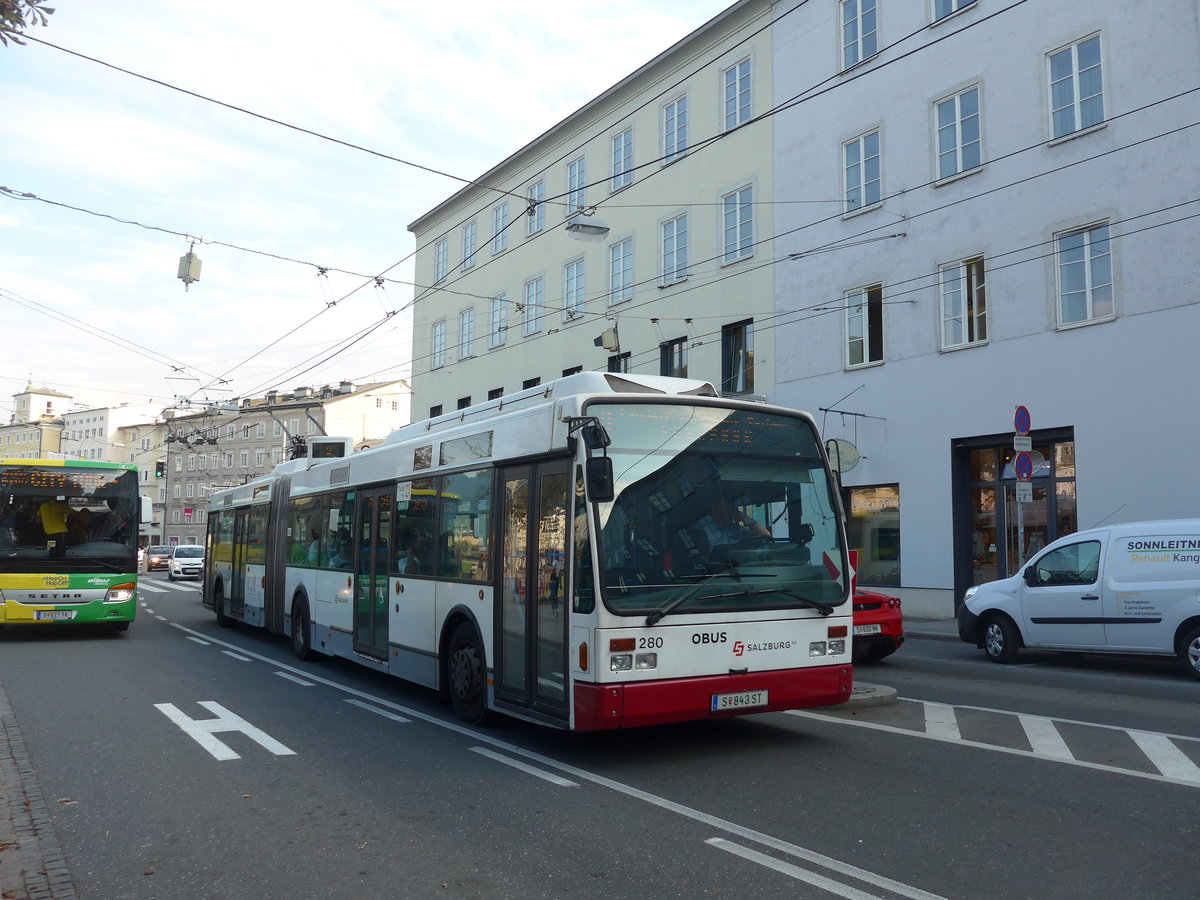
[202, 731]
[1044, 739]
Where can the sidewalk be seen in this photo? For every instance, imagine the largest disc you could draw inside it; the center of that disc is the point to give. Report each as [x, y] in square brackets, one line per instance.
[939, 629]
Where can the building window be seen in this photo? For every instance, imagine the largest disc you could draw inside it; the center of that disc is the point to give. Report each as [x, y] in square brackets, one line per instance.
[201, 461]
[229, 460]
[964, 305]
[620, 272]
[737, 357]
[495, 393]
[435, 411]
[737, 224]
[470, 244]
[175, 517]
[229, 432]
[943, 8]
[276, 459]
[276, 429]
[244, 459]
[622, 159]
[441, 260]
[958, 148]
[864, 325]
[873, 529]
[859, 32]
[260, 458]
[860, 165]
[245, 432]
[466, 331]
[191, 462]
[500, 228]
[576, 184]
[189, 490]
[1085, 290]
[535, 217]
[535, 296]
[619, 363]
[1076, 89]
[260, 430]
[737, 94]
[438, 345]
[672, 358]
[464, 402]
[574, 286]
[574, 370]
[498, 327]
[675, 129]
[674, 234]
[530, 383]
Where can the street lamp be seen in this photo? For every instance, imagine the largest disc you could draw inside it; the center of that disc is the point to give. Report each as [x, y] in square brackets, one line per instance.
[584, 226]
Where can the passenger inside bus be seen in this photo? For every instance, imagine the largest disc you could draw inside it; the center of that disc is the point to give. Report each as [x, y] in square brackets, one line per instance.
[414, 560]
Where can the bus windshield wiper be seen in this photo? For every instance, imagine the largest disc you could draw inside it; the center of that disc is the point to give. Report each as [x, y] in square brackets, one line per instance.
[688, 593]
[824, 609]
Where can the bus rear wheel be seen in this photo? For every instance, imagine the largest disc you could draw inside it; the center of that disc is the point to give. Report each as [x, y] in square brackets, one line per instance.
[219, 606]
[465, 675]
[301, 631]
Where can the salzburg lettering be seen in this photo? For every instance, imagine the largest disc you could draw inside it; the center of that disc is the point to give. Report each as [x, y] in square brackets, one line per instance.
[739, 648]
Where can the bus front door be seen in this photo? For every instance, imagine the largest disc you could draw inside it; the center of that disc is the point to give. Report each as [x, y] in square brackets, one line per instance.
[531, 619]
[372, 555]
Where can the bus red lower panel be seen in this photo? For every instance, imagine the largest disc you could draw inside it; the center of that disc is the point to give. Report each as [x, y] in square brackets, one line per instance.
[608, 706]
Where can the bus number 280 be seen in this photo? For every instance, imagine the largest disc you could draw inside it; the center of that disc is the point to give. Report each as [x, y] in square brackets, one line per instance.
[650, 643]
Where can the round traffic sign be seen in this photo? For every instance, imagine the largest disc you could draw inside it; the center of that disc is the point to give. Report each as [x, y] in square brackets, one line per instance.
[1022, 420]
[1023, 467]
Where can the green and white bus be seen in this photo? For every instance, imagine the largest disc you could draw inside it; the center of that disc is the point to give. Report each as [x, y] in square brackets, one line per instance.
[68, 542]
[604, 551]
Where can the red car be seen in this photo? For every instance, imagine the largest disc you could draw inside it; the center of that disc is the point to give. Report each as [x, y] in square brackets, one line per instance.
[878, 626]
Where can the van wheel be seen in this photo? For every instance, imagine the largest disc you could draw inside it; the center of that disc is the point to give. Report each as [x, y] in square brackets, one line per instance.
[1189, 652]
[1001, 640]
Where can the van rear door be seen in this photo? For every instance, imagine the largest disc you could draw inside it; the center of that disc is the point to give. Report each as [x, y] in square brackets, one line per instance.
[1061, 598]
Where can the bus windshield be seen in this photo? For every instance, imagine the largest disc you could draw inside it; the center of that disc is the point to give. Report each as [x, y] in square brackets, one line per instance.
[84, 519]
[716, 510]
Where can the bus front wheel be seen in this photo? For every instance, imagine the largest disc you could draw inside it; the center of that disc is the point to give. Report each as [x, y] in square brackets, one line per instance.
[465, 675]
[219, 606]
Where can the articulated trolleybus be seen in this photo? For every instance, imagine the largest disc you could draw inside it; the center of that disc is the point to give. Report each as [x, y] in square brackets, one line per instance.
[68, 542]
[606, 551]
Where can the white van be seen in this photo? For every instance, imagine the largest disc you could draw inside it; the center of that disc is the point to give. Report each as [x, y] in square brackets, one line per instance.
[1132, 588]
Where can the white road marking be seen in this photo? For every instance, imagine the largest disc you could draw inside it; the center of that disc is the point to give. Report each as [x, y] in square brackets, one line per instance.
[695, 815]
[1044, 737]
[290, 677]
[375, 709]
[199, 641]
[202, 731]
[160, 618]
[819, 881]
[524, 767]
[1167, 758]
[237, 656]
[940, 721]
[154, 589]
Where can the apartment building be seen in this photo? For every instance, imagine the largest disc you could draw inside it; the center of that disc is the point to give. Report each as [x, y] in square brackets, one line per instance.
[629, 237]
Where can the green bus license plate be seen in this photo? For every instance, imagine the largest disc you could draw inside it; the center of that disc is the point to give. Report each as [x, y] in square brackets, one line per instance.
[43, 615]
[741, 700]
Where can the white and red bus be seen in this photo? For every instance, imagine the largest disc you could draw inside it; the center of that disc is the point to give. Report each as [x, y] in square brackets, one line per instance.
[605, 551]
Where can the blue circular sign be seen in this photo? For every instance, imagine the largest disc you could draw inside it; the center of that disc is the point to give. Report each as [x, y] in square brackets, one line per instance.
[1023, 467]
[1022, 421]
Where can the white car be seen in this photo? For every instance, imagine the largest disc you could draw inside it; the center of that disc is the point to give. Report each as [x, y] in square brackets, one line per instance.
[187, 561]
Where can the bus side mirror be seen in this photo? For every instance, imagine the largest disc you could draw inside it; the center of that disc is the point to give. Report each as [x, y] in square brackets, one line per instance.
[147, 509]
[598, 478]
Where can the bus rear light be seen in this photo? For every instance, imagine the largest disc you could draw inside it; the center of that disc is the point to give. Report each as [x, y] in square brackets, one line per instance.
[837, 631]
[620, 662]
[622, 645]
[646, 661]
[583, 656]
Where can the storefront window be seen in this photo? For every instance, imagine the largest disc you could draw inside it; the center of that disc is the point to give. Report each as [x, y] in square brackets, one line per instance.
[873, 529]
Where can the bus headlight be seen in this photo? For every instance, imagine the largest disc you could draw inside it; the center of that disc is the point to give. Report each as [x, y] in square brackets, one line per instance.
[836, 647]
[817, 648]
[620, 662]
[646, 661]
[119, 593]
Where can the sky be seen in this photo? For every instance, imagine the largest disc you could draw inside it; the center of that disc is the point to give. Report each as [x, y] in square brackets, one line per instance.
[128, 175]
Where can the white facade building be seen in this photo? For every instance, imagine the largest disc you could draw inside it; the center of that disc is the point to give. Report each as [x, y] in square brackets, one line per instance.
[952, 209]
[675, 284]
[1017, 189]
[96, 433]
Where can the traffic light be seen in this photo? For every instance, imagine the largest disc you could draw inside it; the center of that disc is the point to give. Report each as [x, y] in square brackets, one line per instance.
[160, 468]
